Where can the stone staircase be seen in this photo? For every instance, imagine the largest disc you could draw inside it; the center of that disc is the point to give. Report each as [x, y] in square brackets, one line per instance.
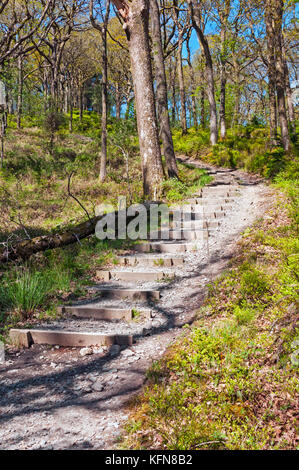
[127, 295]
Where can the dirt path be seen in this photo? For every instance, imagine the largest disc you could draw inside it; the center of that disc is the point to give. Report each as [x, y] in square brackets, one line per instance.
[56, 398]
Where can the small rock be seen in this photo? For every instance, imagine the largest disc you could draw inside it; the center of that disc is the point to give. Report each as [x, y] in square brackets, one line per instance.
[127, 353]
[86, 352]
[92, 378]
[98, 350]
[114, 350]
[146, 332]
[98, 386]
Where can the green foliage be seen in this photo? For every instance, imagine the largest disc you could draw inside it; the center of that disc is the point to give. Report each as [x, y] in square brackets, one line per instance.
[225, 156]
[269, 163]
[52, 121]
[191, 144]
[27, 292]
[254, 283]
[190, 180]
[243, 315]
[244, 147]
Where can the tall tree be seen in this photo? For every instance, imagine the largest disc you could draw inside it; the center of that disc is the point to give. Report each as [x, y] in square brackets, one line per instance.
[277, 14]
[270, 36]
[196, 15]
[223, 8]
[161, 94]
[103, 30]
[135, 15]
[192, 82]
[182, 28]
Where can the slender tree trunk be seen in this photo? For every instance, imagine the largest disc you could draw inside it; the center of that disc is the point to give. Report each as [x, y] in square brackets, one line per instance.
[80, 98]
[66, 95]
[271, 74]
[46, 90]
[209, 73]
[117, 101]
[173, 94]
[103, 171]
[193, 86]
[290, 104]
[202, 108]
[280, 75]
[223, 78]
[20, 92]
[71, 106]
[128, 108]
[222, 111]
[182, 88]
[161, 95]
[136, 16]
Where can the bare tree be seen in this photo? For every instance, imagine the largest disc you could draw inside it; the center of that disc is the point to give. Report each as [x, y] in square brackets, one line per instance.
[102, 27]
[19, 22]
[182, 26]
[196, 15]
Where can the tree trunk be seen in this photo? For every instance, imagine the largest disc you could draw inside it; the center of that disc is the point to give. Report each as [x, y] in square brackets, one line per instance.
[202, 108]
[224, 14]
[103, 171]
[66, 98]
[20, 92]
[290, 104]
[117, 101]
[193, 86]
[71, 106]
[173, 93]
[128, 108]
[271, 74]
[280, 76]
[81, 103]
[136, 16]
[209, 73]
[222, 112]
[182, 88]
[161, 95]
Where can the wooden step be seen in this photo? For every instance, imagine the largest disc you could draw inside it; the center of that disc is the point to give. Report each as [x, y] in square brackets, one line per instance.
[199, 216]
[124, 293]
[150, 261]
[25, 338]
[98, 313]
[133, 276]
[178, 234]
[172, 247]
[160, 247]
[197, 224]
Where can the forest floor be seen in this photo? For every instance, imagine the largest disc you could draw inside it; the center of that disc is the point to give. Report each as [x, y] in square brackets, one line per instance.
[55, 398]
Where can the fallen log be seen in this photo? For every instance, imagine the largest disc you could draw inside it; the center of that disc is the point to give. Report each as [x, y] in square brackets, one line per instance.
[27, 248]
